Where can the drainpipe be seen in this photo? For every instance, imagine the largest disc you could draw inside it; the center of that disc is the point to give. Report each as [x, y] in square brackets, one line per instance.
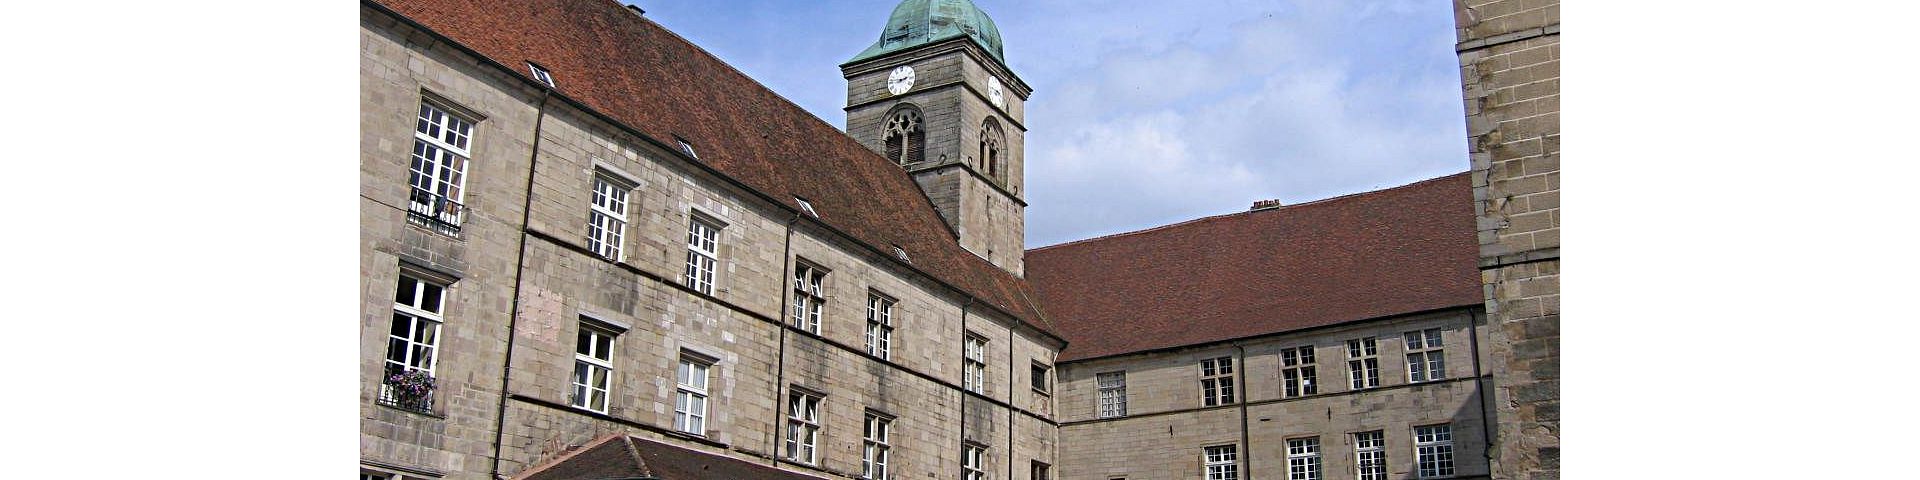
[780, 375]
[1480, 384]
[519, 266]
[1245, 440]
[962, 404]
[1011, 371]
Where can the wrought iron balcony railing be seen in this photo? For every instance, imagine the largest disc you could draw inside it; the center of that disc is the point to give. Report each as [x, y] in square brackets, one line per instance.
[434, 211]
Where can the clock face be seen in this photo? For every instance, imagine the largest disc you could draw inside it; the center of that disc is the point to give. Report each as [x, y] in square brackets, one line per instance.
[900, 80]
[993, 92]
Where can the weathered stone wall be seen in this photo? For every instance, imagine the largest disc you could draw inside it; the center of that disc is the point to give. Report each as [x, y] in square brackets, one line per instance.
[396, 71]
[1510, 76]
[743, 323]
[950, 89]
[1166, 426]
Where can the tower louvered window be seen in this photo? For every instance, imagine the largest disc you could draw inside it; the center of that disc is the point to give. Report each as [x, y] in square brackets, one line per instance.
[906, 139]
[993, 151]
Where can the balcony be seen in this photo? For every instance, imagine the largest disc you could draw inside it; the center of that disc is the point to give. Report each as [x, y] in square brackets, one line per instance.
[434, 211]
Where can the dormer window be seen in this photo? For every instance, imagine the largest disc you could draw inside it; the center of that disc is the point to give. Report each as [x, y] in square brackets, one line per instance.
[902, 253]
[687, 147]
[541, 74]
[806, 206]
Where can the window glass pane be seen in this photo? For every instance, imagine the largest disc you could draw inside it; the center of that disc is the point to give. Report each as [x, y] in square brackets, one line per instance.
[404, 295]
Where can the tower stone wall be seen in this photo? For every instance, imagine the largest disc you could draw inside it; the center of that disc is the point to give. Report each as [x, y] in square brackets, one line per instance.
[1510, 79]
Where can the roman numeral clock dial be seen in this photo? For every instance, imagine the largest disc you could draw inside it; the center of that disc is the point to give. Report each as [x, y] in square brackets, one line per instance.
[900, 80]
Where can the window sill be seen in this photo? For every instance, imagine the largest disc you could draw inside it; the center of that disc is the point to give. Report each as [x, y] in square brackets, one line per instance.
[424, 413]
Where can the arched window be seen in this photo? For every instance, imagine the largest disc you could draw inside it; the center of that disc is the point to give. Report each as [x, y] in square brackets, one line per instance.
[993, 151]
[906, 140]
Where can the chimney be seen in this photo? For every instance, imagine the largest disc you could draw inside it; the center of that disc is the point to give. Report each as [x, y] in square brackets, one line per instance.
[1259, 205]
[636, 10]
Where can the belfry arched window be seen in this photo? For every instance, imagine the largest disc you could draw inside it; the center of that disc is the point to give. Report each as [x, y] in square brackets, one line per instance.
[993, 151]
[906, 139]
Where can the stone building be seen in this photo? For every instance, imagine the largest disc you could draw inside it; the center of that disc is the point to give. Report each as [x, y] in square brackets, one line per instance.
[1510, 79]
[1331, 339]
[587, 230]
[614, 255]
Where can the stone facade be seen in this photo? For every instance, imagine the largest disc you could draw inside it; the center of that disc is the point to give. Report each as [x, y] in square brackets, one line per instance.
[988, 211]
[1166, 426]
[1510, 75]
[544, 270]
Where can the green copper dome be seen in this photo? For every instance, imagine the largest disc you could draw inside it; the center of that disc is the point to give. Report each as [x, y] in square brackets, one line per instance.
[920, 22]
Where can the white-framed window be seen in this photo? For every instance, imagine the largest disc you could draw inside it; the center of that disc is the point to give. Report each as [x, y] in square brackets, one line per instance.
[541, 74]
[413, 339]
[703, 252]
[1112, 396]
[1299, 376]
[873, 454]
[1363, 363]
[1303, 458]
[1370, 455]
[1042, 379]
[607, 219]
[592, 368]
[438, 170]
[973, 462]
[809, 297]
[1426, 360]
[1216, 381]
[803, 426]
[1040, 471]
[880, 325]
[974, 372]
[1433, 450]
[690, 399]
[1222, 462]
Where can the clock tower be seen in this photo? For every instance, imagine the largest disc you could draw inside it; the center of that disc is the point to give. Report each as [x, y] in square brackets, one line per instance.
[934, 96]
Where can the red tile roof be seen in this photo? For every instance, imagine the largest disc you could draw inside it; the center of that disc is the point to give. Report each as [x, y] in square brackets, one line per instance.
[635, 71]
[621, 456]
[1400, 250]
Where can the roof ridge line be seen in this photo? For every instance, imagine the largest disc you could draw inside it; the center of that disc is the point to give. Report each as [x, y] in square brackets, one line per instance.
[1282, 207]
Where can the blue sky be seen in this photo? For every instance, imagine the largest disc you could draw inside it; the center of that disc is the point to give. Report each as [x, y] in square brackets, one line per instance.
[1146, 113]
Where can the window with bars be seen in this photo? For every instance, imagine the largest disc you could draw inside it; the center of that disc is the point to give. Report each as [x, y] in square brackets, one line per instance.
[703, 252]
[1298, 374]
[1363, 363]
[413, 340]
[1216, 381]
[974, 372]
[1433, 450]
[607, 219]
[690, 398]
[1426, 361]
[438, 172]
[1222, 462]
[880, 325]
[1370, 455]
[1303, 458]
[1040, 471]
[803, 426]
[808, 296]
[873, 456]
[1112, 395]
[1042, 379]
[973, 462]
[592, 368]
